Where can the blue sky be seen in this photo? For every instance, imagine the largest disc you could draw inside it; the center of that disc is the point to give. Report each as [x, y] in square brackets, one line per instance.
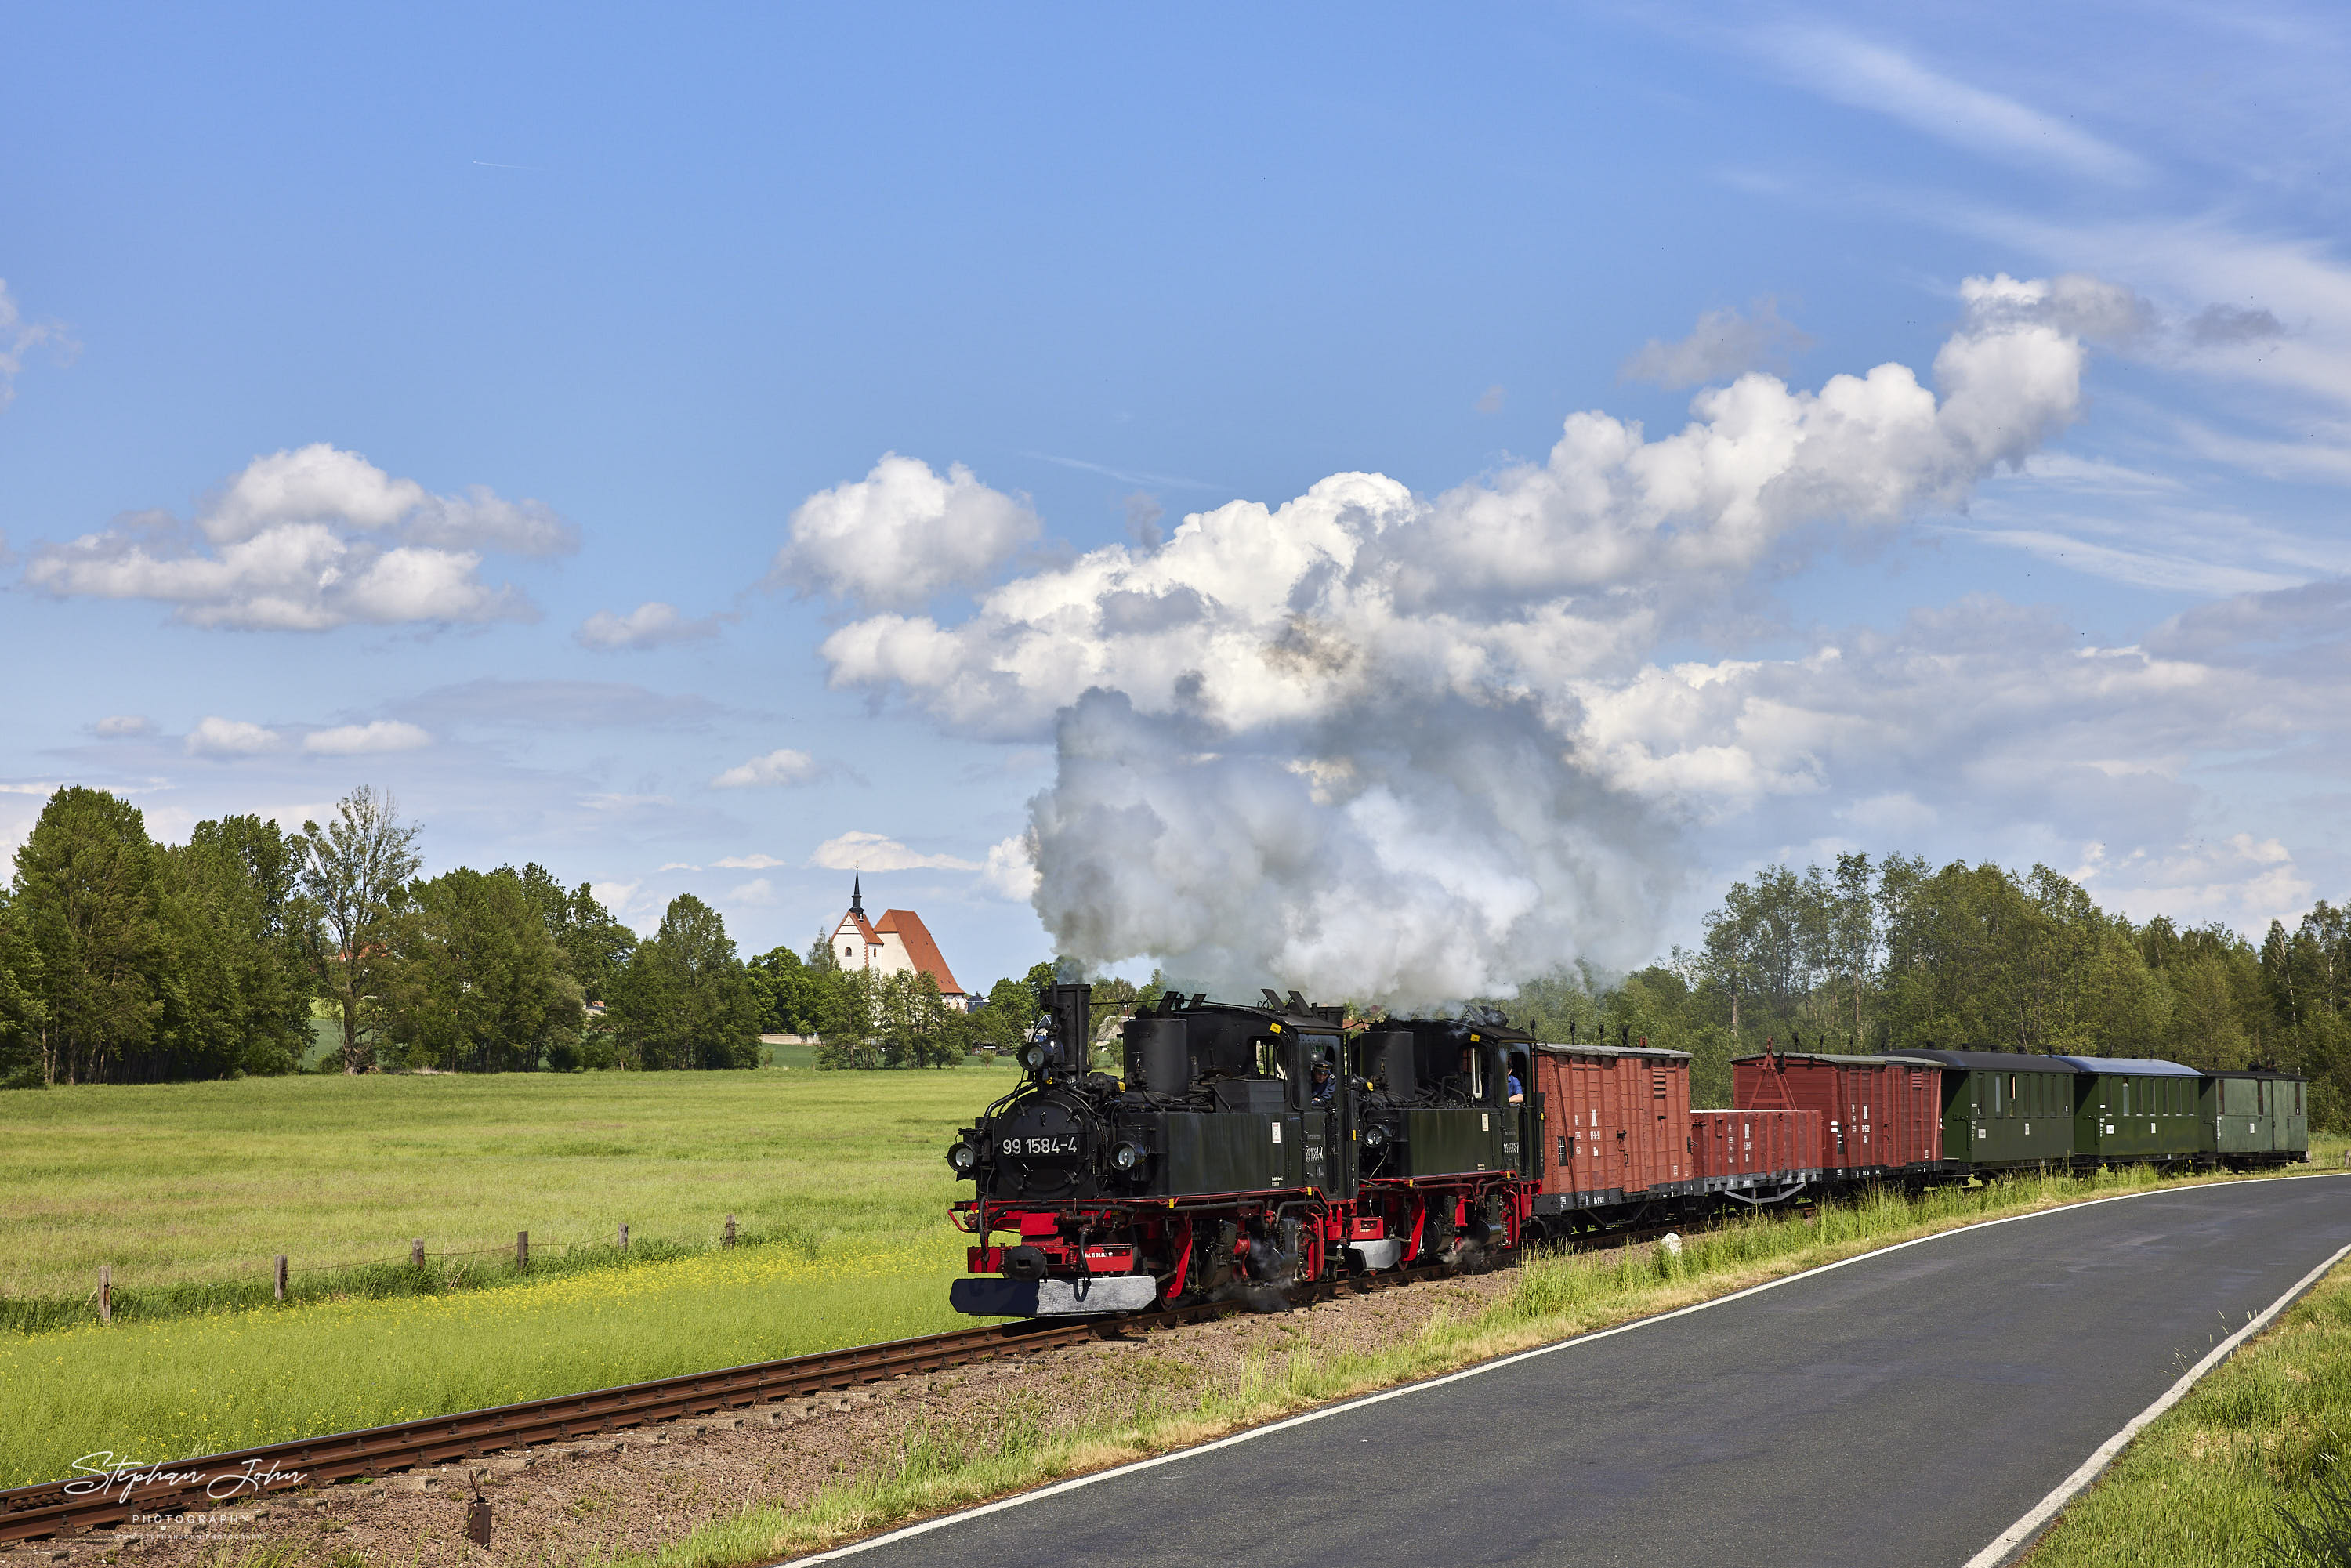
[574, 312]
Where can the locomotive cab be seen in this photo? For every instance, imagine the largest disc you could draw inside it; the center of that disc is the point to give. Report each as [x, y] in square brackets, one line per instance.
[1121, 1190]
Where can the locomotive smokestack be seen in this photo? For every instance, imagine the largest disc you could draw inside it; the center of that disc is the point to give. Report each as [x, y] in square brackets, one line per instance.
[1071, 1010]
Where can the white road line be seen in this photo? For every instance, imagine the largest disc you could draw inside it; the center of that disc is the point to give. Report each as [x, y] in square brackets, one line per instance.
[907, 1533]
[2015, 1539]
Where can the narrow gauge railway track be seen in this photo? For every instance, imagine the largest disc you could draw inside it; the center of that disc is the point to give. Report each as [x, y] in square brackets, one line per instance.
[51, 1509]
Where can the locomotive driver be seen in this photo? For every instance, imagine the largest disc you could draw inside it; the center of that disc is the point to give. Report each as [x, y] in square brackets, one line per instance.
[1321, 1083]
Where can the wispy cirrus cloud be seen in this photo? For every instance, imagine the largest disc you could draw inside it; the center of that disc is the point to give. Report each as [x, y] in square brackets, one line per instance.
[19, 336]
[653, 625]
[1853, 70]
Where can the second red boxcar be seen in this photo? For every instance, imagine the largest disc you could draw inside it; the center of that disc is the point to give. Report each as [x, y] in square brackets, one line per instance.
[1743, 1151]
[1880, 1116]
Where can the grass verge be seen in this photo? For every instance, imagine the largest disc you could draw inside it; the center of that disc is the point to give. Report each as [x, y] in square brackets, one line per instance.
[937, 1468]
[2263, 1440]
[213, 1385]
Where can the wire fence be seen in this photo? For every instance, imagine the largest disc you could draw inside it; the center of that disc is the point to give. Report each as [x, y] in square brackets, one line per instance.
[418, 1271]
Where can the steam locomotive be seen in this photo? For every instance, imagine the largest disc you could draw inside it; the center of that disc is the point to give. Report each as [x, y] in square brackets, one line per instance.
[1245, 1150]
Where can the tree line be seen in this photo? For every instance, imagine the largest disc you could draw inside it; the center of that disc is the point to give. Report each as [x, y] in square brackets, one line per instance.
[1897, 953]
[126, 960]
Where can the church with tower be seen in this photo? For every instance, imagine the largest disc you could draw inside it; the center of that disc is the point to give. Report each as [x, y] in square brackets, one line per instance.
[896, 943]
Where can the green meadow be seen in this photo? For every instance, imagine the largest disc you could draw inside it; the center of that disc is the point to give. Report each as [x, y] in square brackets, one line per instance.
[188, 1191]
[204, 1184]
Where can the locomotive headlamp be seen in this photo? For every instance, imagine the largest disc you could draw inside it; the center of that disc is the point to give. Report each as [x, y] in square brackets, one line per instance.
[962, 1157]
[1126, 1156]
[1033, 1055]
[1374, 1137]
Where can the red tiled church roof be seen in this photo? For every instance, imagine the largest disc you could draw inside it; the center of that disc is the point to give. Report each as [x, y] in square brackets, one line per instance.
[920, 949]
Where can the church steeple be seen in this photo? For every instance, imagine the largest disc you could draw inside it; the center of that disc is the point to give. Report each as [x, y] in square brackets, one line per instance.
[856, 893]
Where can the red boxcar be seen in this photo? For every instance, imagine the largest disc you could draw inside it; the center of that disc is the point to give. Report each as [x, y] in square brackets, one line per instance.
[1615, 1124]
[1734, 1150]
[1880, 1116]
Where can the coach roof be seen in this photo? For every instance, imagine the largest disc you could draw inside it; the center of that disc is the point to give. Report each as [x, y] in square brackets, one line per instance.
[2131, 1067]
[1996, 1060]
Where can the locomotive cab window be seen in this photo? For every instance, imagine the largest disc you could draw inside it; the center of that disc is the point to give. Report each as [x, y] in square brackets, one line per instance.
[1471, 1073]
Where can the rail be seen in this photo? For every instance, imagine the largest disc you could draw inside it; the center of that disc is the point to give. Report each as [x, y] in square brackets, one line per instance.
[87, 1503]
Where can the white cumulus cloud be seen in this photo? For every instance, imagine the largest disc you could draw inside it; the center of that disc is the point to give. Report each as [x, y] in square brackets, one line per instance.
[877, 852]
[120, 726]
[780, 766]
[356, 739]
[902, 535]
[653, 625]
[308, 541]
[217, 737]
[749, 863]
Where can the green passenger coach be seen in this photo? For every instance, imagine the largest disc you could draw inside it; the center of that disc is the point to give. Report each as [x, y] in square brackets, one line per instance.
[2003, 1110]
[2129, 1109]
[2253, 1117]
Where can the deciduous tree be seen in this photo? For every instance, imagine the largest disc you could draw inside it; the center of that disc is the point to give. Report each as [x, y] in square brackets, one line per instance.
[355, 875]
[86, 899]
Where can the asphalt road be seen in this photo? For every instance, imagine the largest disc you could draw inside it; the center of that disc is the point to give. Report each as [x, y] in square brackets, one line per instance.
[1902, 1410]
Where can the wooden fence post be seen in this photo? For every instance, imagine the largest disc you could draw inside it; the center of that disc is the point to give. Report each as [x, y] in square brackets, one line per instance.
[730, 1230]
[416, 1252]
[624, 1236]
[522, 1248]
[106, 1293]
[281, 1276]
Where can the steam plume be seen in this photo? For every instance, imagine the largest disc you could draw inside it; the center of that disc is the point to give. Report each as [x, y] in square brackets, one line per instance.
[1344, 743]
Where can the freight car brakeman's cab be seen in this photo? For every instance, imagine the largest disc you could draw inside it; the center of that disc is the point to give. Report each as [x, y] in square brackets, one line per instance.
[1880, 1116]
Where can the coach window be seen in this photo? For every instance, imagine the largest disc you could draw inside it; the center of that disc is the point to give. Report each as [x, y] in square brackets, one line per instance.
[2011, 1094]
